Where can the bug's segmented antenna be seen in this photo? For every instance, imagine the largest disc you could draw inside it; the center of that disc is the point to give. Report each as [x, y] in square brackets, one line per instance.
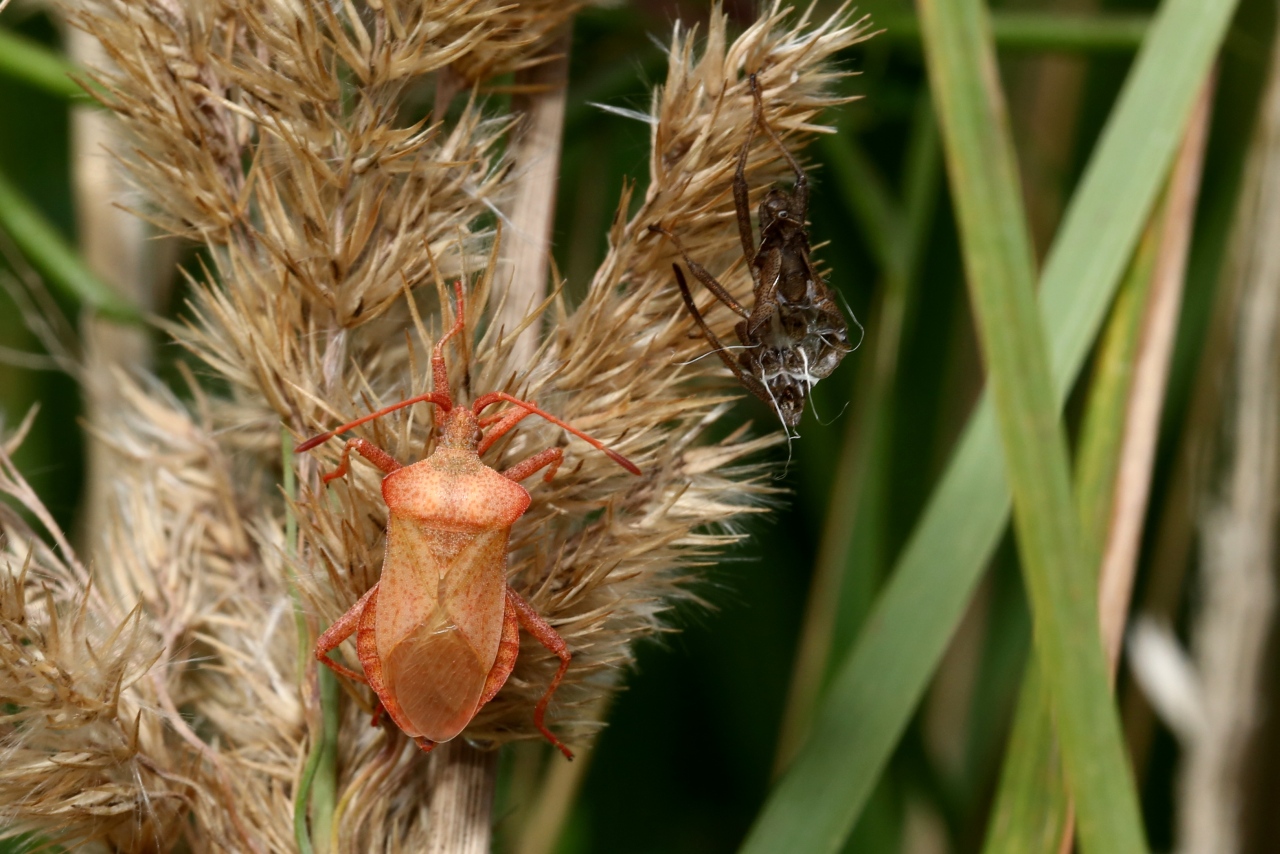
[439, 400]
[439, 376]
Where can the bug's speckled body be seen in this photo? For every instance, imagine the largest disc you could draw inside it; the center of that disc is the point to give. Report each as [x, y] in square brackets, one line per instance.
[439, 633]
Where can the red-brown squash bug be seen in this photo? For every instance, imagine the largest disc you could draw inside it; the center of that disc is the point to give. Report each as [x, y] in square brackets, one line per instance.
[438, 635]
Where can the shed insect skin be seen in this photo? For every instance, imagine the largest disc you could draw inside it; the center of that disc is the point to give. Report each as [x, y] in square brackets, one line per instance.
[439, 633]
[795, 334]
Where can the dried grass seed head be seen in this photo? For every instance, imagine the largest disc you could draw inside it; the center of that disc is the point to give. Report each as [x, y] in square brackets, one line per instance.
[271, 133]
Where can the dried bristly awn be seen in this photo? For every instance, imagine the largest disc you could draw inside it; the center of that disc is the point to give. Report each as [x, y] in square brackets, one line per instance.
[712, 353]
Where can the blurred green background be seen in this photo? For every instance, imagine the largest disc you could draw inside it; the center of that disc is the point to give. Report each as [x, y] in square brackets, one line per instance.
[687, 758]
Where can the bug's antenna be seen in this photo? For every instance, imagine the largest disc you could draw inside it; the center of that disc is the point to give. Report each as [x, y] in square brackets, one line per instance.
[493, 397]
[430, 397]
[439, 375]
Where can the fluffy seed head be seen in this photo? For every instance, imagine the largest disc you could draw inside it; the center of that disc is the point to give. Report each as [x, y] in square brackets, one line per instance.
[179, 684]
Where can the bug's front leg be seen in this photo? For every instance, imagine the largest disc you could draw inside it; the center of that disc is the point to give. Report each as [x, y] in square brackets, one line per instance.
[552, 457]
[742, 193]
[499, 425]
[369, 451]
[531, 621]
[340, 631]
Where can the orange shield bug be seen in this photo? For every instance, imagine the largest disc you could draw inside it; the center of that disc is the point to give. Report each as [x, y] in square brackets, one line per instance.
[438, 635]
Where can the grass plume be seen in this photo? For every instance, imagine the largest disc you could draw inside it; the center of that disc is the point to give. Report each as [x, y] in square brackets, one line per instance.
[276, 136]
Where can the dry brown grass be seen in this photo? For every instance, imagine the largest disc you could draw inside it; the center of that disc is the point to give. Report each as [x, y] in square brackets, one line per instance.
[166, 700]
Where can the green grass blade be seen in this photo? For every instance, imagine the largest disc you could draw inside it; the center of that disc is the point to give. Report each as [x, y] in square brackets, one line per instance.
[866, 711]
[1055, 561]
[317, 787]
[1046, 31]
[32, 63]
[1031, 809]
[1119, 188]
[56, 260]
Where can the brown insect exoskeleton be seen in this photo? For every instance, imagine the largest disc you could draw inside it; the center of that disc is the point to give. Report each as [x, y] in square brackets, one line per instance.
[438, 635]
[794, 335]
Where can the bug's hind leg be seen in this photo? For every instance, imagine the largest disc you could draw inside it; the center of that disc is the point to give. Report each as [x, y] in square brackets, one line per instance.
[531, 621]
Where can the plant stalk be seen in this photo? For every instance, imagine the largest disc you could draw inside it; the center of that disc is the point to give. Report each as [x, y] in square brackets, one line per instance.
[462, 780]
[535, 151]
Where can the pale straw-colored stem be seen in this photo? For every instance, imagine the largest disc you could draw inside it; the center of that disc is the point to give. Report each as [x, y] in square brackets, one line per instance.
[1238, 533]
[114, 245]
[461, 804]
[463, 778]
[1147, 389]
[535, 153]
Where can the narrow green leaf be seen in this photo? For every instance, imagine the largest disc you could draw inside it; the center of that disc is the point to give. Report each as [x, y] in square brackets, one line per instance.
[1000, 274]
[1046, 31]
[1031, 809]
[866, 711]
[313, 803]
[34, 64]
[56, 260]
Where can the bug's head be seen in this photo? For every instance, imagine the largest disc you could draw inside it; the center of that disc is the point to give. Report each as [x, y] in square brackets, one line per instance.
[460, 429]
[779, 212]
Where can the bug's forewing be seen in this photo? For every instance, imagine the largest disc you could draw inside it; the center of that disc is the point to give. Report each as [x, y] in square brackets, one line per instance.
[439, 621]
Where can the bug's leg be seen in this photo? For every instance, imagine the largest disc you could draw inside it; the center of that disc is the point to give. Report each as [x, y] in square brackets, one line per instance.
[508, 649]
[742, 193]
[500, 424]
[801, 191]
[700, 273]
[425, 744]
[551, 457]
[531, 621]
[749, 382]
[369, 451]
[346, 626]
